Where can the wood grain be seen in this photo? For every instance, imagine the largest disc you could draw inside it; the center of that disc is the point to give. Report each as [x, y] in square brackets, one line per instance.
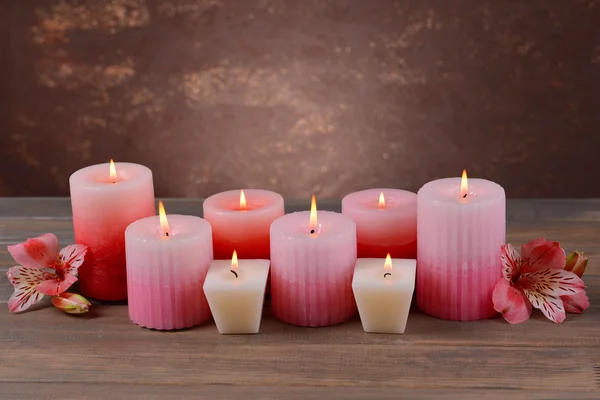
[47, 354]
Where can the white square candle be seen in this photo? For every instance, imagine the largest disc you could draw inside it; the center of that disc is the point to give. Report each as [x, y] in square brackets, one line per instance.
[235, 292]
[383, 290]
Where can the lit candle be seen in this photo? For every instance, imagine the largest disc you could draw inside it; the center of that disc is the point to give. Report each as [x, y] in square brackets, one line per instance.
[386, 222]
[461, 227]
[235, 291]
[312, 262]
[167, 262]
[105, 199]
[241, 220]
[383, 290]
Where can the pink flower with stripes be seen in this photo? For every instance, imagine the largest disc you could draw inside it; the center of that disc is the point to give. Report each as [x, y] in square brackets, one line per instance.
[43, 270]
[541, 277]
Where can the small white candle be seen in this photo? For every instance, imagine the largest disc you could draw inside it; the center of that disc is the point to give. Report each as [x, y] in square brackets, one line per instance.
[383, 290]
[235, 290]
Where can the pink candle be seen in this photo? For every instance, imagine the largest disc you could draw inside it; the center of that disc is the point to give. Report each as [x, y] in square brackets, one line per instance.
[167, 263]
[461, 228]
[386, 222]
[312, 264]
[105, 199]
[241, 220]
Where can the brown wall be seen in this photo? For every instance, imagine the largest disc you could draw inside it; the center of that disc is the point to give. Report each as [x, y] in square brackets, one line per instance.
[301, 96]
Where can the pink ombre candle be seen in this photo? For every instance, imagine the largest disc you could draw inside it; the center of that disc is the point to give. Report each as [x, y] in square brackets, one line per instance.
[105, 201]
[165, 273]
[312, 264]
[241, 220]
[386, 222]
[460, 232]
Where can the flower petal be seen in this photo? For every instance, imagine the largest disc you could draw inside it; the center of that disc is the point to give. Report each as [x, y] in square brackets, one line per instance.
[576, 263]
[39, 252]
[71, 303]
[511, 302]
[552, 307]
[541, 254]
[25, 281]
[576, 303]
[56, 286]
[552, 282]
[71, 257]
[510, 261]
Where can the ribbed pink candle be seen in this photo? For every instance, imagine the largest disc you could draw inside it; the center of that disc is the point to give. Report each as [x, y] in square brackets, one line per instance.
[459, 240]
[311, 274]
[165, 274]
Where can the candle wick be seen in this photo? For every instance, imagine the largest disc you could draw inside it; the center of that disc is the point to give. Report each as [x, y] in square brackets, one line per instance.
[312, 231]
[233, 272]
[166, 233]
[386, 274]
[465, 196]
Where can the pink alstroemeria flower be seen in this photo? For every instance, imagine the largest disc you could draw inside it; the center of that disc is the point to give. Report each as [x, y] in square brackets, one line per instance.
[537, 277]
[43, 270]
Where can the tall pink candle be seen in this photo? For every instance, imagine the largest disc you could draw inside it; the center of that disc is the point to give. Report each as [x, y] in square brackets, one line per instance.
[386, 222]
[311, 273]
[460, 232]
[165, 274]
[104, 202]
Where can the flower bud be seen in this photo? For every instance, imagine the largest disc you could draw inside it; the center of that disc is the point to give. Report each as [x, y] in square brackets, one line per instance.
[71, 303]
[576, 263]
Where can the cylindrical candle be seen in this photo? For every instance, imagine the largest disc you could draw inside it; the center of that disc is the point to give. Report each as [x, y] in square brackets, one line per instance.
[311, 273]
[460, 233]
[165, 274]
[241, 222]
[104, 202]
[386, 222]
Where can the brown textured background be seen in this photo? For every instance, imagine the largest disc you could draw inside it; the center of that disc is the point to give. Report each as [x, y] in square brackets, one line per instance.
[301, 96]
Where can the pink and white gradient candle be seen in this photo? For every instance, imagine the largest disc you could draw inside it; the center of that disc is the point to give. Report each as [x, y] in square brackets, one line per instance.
[105, 201]
[165, 274]
[460, 233]
[241, 221]
[311, 273]
[386, 222]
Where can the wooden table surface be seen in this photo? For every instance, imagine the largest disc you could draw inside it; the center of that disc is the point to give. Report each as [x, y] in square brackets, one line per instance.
[47, 354]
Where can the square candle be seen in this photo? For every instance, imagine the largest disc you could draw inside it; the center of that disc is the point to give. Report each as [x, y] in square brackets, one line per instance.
[235, 291]
[383, 290]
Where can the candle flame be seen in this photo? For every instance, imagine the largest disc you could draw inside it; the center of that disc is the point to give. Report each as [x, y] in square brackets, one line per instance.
[242, 200]
[313, 214]
[113, 171]
[381, 201]
[234, 261]
[388, 263]
[164, 224]
[464, 185]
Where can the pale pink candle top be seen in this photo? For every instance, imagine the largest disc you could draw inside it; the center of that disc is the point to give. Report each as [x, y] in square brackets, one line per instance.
[396, 217]
[224, 212]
